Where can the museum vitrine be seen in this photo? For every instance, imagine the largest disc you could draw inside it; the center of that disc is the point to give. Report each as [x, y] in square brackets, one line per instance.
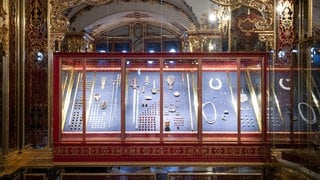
[164, 103]
[293, 104]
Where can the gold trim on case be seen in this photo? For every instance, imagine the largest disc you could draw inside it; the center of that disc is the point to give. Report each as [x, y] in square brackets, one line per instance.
[254, 99]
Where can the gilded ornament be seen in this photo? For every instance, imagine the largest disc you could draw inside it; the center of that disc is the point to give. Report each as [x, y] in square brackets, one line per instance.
[4, 32]
[263, 6]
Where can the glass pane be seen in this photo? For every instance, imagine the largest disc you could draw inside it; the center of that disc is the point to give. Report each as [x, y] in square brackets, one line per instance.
[103, 95]
[72, 82]
[219, 96]
[279, 100]
[180, 97]
[250, 96]
[142, 97]
[305, 110]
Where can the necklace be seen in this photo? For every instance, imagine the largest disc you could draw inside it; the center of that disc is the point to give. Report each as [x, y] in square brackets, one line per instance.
[213, 120]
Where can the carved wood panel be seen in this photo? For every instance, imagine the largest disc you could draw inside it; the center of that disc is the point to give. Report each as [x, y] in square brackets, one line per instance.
[36, 107]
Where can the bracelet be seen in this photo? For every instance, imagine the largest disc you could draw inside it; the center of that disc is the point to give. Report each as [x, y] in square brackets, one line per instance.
[215, 87]
[308, 121]
[213, 120]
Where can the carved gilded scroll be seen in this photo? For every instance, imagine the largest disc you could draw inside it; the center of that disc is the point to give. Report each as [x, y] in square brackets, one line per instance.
[265, 7]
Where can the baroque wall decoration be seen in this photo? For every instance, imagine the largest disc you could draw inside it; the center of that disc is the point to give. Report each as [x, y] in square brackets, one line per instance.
[286, 34]
[13, 85]
[4, 36]
[36, 105]
[264, 25]
[245, 34]
[265, 7]
[59, 9]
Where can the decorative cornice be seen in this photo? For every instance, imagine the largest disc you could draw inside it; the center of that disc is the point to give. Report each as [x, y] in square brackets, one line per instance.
[59, 24]
[265, 7]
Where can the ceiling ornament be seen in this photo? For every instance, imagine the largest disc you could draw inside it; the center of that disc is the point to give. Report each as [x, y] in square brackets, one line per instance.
[137, 15]
[265, 7]
[59, 23]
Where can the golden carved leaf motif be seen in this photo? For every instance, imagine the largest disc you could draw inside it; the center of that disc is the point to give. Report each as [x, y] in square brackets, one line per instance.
[265, 7]
[247, 25]
[4, 32]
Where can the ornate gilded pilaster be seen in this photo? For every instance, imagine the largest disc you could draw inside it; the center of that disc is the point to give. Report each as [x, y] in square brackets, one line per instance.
[59, 24]
[4, 33]
[285, 31]
[196, 42]
[36, 76]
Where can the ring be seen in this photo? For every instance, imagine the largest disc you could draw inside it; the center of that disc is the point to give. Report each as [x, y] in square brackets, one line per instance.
[204, 115]
[308, 121]
[282, 85]
[215, 87]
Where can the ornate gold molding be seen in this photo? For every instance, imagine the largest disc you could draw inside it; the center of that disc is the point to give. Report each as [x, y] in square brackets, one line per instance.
[59, 24]
[268, 38]
[4, 31]
[263, 6]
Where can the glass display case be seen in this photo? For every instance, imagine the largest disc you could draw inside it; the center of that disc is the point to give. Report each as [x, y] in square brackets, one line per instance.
[232, 97]
[158, 98]
[294, 104]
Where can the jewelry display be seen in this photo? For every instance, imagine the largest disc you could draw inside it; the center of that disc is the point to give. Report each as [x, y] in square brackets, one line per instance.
[204, 116]
[97, 97]
[147, 80]
[103, 82]
[143, 89]
[308, 121]
[154, 90]
[117, 90]
[176, 94]
[114, 98]
[134, 100]
[148, 97]
[282, 85]
[137, 109]
[76, 102]
[189, 100]
[111, 105]
[172, 109]
[243, 97]
[217, 87]
[178, 122]
[103, 105]
[147, 118]
[167, 125]
[170, 81]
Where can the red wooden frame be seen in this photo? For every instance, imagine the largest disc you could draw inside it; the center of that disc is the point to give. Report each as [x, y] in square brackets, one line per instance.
[196, 148]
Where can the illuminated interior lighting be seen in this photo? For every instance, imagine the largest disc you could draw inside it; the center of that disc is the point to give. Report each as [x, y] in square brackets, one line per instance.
[212, 17]
[280, 7]
[172, 50]
[281, 54]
